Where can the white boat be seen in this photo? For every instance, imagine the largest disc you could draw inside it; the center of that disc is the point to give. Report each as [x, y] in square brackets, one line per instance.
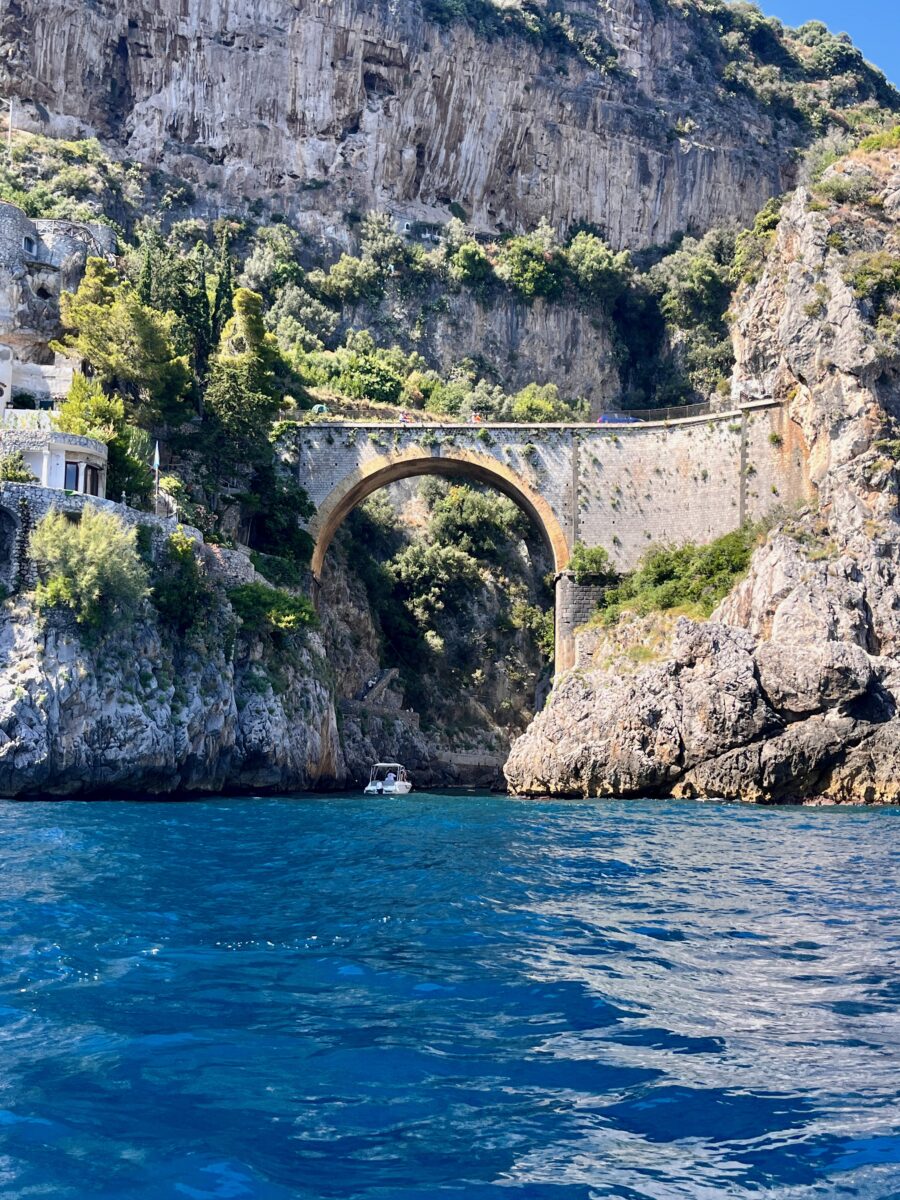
[388, 779]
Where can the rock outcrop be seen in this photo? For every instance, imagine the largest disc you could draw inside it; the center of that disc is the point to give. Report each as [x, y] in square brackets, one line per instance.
[790, 692]
[327, 108]
[514, 343]
[132, 714]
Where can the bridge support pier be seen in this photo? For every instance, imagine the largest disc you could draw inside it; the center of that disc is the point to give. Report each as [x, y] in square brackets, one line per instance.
[575, 604]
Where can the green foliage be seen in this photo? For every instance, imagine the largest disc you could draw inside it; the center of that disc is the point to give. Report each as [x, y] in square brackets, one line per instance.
[875, 278]
[266, 610]
[533, 264]
[810, 77]
[854, 188]
[887, 139]
[539, 622]
[470, 265]
[195, 283]
[753, 245]
[432, 577]
[14, 469]
[590, 564]
[69, 180]
[181, 593]
[299, 320]
[350, 280]
[694, 289]
[693, 282]
[91, 567]
[128, 346]
[597, 271]
[272, 263]
[242, 395]
[278, 505]
[538, 405]
[381, 244]
[363, 370]
[90, 412]
[690, 577]
[484, 526]
[282, 572]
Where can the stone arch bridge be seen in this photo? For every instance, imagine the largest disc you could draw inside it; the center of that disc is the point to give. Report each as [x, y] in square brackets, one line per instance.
[617, 486]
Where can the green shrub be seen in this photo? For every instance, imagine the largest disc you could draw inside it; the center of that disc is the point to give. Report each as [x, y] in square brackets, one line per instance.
[888, 139]
[846, 189]
[91, 567]
[270, 610]
[90, 412]
[875, 278]
[753, 245]
[470, 265]
[132, 348]
[591, 564]
[533, 265]
[539, 405]
[431, 577]
[283, 572]
[538, 622]
[485, 526]
[597, 271]
[689, 577]
[14, 469]
[181, 594]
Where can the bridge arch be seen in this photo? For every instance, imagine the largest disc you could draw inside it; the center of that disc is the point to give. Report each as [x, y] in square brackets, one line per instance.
[376, 473]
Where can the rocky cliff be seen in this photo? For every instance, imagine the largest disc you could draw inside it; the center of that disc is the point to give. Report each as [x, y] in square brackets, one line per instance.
[622, 114]
[513, 343]
[790, 691]
[133, 713]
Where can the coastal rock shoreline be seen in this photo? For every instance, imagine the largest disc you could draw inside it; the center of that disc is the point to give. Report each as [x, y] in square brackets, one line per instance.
[790, 692]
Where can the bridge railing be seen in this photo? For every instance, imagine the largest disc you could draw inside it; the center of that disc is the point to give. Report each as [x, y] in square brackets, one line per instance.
[421, 421]
[676, 412]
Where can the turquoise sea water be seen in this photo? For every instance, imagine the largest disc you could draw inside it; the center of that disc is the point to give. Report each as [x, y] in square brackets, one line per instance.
[329, 998]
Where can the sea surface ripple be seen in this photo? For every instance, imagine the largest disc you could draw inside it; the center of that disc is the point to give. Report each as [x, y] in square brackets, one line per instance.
[332, 998]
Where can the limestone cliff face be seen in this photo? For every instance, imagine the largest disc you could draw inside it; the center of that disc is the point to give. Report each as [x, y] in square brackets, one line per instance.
[514, 343]
[791, 691]
[328, 107]
[134, 715]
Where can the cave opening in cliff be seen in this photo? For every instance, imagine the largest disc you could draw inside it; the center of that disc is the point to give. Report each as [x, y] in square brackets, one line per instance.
[437, 607]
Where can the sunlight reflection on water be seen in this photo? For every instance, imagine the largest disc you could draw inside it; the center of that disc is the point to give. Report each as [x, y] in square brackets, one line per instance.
[337, 998]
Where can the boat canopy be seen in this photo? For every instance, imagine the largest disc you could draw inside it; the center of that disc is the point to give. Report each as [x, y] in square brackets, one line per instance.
[381, 769]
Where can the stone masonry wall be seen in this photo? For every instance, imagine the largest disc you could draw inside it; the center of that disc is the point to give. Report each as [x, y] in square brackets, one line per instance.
[619, 487]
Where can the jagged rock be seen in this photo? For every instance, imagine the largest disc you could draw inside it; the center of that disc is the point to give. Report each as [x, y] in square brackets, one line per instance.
[636, 736]
[130, 714]
[806, 678]
[790, 693]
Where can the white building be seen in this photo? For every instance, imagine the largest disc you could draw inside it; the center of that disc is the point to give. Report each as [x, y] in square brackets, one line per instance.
[39, 260]
[59, 460]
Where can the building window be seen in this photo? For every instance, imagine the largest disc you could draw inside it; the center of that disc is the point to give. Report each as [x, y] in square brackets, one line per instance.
[92, 480]
[29, 245]
[71, 484]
